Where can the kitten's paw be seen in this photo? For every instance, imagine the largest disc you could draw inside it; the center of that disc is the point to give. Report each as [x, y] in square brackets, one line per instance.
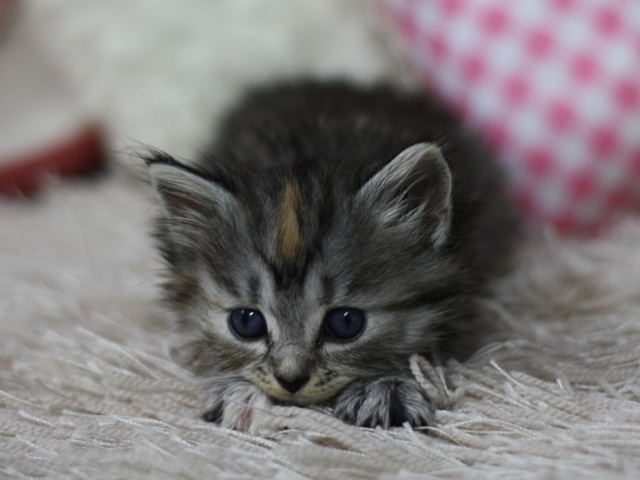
[233, 405]
[388, 401]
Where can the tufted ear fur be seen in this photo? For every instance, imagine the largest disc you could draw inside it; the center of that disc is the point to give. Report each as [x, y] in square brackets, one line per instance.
[185, 192]
[413, 190]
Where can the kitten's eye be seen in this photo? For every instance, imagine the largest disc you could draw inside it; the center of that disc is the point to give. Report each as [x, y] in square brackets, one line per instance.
[344, 323]
[248, 324]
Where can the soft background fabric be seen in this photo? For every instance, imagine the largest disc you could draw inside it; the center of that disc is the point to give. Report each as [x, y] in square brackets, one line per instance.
[87, 388]
[160, 72]
[554, 85]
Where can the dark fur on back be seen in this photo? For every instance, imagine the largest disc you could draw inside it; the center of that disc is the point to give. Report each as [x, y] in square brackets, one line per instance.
[333, 137]
[294, 225]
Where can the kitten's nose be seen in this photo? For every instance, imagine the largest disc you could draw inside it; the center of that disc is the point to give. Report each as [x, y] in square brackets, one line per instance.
[294, 385]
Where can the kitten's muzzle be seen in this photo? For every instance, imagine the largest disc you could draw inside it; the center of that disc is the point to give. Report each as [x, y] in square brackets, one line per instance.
[293, 385]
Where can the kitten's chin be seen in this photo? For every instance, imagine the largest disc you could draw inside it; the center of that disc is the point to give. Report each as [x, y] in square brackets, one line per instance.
[302, 398]
[299, 399]
[296, 400]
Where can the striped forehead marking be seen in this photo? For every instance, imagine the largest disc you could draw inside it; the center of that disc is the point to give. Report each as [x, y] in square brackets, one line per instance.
[289, 240]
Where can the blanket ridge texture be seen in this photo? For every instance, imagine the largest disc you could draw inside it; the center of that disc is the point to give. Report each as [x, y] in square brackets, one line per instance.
[88, 390]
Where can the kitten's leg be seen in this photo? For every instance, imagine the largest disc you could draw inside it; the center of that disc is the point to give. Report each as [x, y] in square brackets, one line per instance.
[231, 402]
[388, 401]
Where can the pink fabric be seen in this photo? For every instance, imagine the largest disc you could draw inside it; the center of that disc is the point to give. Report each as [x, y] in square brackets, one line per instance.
[554, 85]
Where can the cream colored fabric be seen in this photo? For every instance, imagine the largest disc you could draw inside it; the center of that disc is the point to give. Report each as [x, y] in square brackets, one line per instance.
[87, 389]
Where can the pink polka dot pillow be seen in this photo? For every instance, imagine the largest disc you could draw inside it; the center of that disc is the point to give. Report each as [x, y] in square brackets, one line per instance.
[554, 85]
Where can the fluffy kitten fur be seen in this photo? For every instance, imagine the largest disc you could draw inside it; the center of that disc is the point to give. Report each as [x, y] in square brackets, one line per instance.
[322, 195]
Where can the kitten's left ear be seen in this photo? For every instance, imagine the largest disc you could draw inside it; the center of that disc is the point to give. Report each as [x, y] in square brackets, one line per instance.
[186, 192]
[413, 189]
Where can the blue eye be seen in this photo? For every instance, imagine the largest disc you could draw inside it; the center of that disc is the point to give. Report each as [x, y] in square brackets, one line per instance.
[344, 323]
[248, 324]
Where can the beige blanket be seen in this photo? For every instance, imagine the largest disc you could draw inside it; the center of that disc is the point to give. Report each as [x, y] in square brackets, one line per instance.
[87, 388]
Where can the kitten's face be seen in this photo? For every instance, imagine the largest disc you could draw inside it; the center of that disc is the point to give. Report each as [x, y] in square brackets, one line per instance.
[301, 287]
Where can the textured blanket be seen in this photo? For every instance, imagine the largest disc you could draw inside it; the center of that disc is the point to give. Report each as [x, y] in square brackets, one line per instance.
[87, 387]
[88, 390]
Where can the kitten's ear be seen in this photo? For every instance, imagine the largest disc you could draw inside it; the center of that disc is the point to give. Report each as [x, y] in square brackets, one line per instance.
[184, 192]
[414, 189]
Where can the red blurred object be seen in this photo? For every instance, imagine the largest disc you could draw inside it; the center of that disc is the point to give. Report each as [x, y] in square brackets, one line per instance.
[76, 156]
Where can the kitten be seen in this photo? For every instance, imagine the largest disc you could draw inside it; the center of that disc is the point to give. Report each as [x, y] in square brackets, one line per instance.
[331, 232]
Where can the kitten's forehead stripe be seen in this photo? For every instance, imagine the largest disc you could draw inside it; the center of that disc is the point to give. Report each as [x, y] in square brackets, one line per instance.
[289, 240]
[328, 290]
[254, 289]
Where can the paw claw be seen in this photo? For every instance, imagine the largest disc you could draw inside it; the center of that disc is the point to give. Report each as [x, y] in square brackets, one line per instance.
[387, 401]
[214, 414]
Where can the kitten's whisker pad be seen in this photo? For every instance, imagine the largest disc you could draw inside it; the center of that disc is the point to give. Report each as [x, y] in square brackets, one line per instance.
[330, 233]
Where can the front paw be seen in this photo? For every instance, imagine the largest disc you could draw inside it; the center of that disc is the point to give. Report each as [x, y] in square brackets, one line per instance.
[232, 404]
[388, 401]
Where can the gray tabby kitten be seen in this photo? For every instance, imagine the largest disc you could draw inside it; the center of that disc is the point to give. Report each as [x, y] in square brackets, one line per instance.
[332, 232]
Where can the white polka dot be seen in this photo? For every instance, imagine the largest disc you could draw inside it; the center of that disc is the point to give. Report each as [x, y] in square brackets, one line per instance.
[571, 151]
[617, 58]
[552, 196]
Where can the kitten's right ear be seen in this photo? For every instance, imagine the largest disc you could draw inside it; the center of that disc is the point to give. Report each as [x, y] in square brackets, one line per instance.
[184, 191]
[414, 190]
